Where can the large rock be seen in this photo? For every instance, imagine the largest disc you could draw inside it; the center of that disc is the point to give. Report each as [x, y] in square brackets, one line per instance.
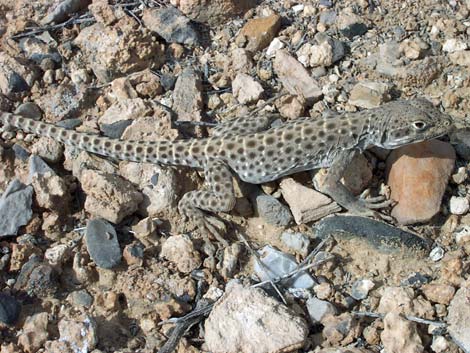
[187, 95]
[246, 89]
[13, 76]
[259, 32]
[109, 196]
[180, 250]
[306, 205]
[459, 318]
[418, 176]
[171, 25]
[400, 335]
[15, 207]
[113, 51]
[213, 12]
[295, 77]
[247, 320]
[102, 243]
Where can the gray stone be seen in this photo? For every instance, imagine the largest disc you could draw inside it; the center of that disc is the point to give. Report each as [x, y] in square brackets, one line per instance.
[43, 281]
[81, 298]
[360, 289]
[273, 211]
[10, 309]
[458, 319]
[328, 17]
[64, 10]
[69, 124]
[116, 129]
[171, 25]
[276, 264]
[296, 241]
[318, 309]
[15, 207]
[29, 110]
[460, 139]
[20, 152]
[37, 166]
[381, 235]
[102, 243]
[167, 81]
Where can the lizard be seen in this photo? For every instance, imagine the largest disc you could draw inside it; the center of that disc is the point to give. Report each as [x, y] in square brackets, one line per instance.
[257, 153]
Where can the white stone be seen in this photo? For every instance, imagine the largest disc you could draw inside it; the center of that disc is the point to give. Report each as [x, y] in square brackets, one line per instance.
[246, 89]
[459, 205]
[298, 8]
[319, 309]
[247, 320]
[436, 254]
[315, 55]
[274, 46]
[453, 44]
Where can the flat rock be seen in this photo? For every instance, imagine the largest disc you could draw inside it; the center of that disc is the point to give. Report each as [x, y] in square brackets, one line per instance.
[102, 243]
[9, 309]
[273, 327]
[123, 110]
[15, 207]
[400, 335]
[260, 31]
[369, 94]
[418, 176]
[458, 318]
[276, 264]
[273, 211]
[295, 77]
[37, 166]
[306, 205]
[109, 196]
[187, 95]
[246, 89]
[12, 76]
[171, 25]
[213, 12]
[61, 102]
[80, 334]
[381, 235]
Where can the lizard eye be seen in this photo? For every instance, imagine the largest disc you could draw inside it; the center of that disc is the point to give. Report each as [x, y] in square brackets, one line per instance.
[419, 125]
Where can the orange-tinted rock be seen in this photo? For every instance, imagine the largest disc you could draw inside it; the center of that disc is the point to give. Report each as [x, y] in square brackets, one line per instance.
[418, 175]
[261, 31]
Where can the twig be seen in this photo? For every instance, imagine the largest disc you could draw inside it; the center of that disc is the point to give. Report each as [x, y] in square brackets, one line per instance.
[315, 251]
[34, 31]
[269, 101]
[294, 272]
[183, 324]
[408, 317]
[263, 267]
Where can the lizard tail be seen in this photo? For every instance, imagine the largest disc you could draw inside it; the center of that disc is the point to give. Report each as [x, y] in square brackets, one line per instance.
[158, 152]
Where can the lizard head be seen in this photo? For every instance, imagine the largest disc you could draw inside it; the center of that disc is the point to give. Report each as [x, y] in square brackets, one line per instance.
[413, 121]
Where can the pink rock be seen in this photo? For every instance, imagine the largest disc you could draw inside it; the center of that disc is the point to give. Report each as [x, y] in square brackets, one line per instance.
[418, 175]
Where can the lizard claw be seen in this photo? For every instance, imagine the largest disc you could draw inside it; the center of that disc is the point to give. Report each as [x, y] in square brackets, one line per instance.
[208, 224]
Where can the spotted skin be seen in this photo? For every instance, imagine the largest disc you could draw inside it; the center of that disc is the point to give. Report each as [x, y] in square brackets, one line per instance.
[257, 154]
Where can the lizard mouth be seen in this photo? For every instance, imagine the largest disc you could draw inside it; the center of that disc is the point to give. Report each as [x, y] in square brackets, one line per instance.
[411, 140]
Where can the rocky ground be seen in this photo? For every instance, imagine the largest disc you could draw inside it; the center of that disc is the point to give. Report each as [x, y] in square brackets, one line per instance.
[94, 256]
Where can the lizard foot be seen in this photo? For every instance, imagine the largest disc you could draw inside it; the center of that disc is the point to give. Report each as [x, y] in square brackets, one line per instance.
[208, 224]
[375, 202]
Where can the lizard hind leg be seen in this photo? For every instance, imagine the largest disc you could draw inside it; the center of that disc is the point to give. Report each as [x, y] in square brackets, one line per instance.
[218, 196]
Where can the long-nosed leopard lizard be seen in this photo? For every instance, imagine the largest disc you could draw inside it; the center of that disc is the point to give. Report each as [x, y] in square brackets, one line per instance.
[258, 154]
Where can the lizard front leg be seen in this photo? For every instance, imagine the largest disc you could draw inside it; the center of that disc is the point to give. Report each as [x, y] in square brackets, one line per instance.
[218, 197]
[333, 187]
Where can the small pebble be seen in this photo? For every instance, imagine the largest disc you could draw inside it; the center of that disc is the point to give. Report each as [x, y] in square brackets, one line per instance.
[436, 254]
[459, 205]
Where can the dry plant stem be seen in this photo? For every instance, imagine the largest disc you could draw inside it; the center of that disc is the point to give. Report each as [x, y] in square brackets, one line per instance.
[263, 266]
[408, 317]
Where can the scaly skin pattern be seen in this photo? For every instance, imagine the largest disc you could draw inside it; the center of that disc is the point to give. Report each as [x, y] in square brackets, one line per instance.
[255, 153]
